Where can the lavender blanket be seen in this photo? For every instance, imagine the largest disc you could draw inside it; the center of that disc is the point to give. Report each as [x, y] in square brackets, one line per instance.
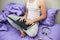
[13, 34]
[10, 8]
[9, 33]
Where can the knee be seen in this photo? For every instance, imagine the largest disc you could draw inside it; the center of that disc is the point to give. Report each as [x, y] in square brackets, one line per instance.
[32, 35]
[10, 15]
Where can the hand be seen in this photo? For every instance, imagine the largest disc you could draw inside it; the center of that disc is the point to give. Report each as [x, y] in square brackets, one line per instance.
[23, 18]
[29, 22]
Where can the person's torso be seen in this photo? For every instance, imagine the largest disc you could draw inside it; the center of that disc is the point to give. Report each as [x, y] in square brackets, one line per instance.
[33, 10]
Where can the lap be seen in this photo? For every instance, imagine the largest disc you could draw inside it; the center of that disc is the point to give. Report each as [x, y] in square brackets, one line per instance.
[31, 31]
[14, 17]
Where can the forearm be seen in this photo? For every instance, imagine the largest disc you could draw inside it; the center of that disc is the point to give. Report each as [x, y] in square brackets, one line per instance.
[43, 12]
[43, 16]
[26, 13]
[39, 19]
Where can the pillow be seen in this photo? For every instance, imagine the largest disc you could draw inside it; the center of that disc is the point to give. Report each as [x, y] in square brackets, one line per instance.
[50, 19]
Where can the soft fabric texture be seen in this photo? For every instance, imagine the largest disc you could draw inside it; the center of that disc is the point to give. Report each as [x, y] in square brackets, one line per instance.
[13, 34]
[28, 30]
[15, 8]
[3, 27]
[10, 8]
[50, 19]
[19, 9]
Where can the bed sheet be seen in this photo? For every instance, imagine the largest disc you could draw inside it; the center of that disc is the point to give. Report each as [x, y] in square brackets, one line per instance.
[13, 34]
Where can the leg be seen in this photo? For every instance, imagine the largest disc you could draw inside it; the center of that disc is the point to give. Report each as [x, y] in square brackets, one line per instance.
[22, 33]
[32, 32]
[12, 23]
[15, 25]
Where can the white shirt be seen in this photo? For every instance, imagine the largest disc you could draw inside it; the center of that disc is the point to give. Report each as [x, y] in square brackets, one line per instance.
[33, 10]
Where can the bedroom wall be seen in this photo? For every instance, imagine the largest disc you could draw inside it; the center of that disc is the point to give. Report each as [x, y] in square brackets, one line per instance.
[50, 3]
[0, 5]
[4, 2]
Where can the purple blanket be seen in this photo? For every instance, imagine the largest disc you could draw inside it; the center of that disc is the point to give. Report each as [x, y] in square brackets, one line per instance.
[10, 8]
[7, 32]
[13, 34]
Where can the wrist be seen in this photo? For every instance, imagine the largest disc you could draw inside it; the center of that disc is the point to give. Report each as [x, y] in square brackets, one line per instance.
[25, 16]
[33, 21]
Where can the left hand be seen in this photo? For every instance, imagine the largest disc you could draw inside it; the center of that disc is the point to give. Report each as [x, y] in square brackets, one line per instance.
[29, 22]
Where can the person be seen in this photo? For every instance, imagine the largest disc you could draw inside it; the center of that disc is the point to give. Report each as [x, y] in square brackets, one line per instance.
[35, 12]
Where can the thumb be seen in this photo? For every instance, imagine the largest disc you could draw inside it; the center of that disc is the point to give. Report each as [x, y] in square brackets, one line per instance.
[26, 23]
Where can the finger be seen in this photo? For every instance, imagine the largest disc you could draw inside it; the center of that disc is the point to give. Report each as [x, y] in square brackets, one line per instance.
[24, 20]
[26, 23]
[19, 20]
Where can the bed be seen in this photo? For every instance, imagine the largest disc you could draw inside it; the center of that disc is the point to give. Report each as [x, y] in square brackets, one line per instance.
[13, 34]
[10, 33]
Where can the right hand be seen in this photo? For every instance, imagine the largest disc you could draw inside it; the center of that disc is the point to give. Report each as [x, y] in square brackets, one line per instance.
[23, 18]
